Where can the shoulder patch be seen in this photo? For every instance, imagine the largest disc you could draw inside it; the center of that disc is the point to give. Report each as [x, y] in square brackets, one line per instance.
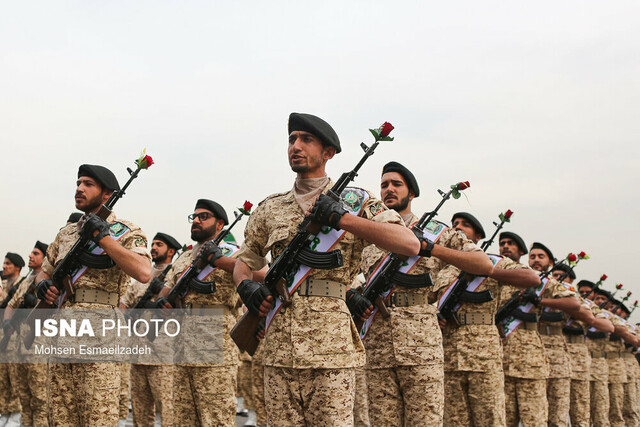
[376, 208]
[353, 197]
[140, 242]
[272, 196]
[117, 229]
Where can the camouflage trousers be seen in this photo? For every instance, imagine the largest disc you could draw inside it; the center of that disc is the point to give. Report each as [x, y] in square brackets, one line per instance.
[83, 394]
[244, 383]
[257, 387]
[33, 394]
[151, 391]
[309, 397]
[579, 410]
[616, 402]
[204, 395]
[559, 398]
[9, 379]
[630, 409]
[406, 395]
[125, 379]
[525, 401]
[474, 398]
[361, 402]
[599, 395]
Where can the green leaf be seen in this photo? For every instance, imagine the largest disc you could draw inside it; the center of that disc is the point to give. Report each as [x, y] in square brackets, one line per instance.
[455, 194]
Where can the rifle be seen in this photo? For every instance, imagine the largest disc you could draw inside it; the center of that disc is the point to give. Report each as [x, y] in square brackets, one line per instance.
[153, 289]
[12, 292]
[61, 276]
[504, 217]
[296, 253]
[390, 274]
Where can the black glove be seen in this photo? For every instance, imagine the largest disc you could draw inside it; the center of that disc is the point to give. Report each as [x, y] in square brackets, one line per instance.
[93, 223]
[253, 294]
[29, 300]
[357, 303]
[42, 288]
[210, 252]
[156, 285]
[529, 295]
[327, 211]
[160, 302]
[426, 245]
[6, 326]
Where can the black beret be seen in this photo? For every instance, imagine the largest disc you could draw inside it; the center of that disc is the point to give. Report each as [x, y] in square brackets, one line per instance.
[625, 308]
[101, 174]
[214, 208]
[41, 247]
[538, 245]
[615, 301]
[604, 293]
[75, 217]
[15, 259]
[586, 283]
[170, 241]
[566, 269]
[406, 174]
[515, 238]
[316, 126]
[472, 220]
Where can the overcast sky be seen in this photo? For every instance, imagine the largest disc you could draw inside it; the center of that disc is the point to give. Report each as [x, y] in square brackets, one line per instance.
[535, 103]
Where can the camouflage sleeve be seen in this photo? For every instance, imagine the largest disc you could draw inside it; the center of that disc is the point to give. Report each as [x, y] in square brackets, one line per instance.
[375, 210]
[454, 239]
[48, 264]
[370, 257]
[252, 251]
[22, 289]
[556, 289]
[136, 241]
[128, 298]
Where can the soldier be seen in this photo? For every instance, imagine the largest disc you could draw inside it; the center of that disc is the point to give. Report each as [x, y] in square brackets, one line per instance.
[88, 393]
[404, 351]
[204, 394]
[32, 388]
[525, 362]
[152, 385]
[474, 380]
[9, 376]
[630, 407]
[257, 388]
[312, 347]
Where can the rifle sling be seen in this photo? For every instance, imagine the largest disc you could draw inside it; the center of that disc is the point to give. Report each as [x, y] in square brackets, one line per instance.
[525, 317]
[320, 260]
[412, 281]
[100, 262]
[202, 287]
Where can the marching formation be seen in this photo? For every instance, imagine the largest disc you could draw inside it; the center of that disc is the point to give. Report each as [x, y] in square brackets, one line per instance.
[339, 308]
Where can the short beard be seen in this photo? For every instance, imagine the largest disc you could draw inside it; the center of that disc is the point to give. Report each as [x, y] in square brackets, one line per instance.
[300, 169]
[401, 205]
[160, 259]
[92, 205]
[204, 234]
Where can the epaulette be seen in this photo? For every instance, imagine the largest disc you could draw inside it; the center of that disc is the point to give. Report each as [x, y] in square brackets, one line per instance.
[272, 197]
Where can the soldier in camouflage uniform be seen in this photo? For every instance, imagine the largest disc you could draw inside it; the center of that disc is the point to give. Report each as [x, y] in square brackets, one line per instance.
[473, 377]
[257, 386]
[87, 394]
[311, 348]
[32, 388]
[152, 385]
[630, 409]
[525, 362]
[404, 351]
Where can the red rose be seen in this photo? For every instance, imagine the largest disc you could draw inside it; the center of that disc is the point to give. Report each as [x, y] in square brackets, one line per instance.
[635, 303]
[572, 258]
[386, 129]
[247, 206]
[463, 185]
[582, 254]
[604, 277]
[508, 214]
[148, 160]
[629, 293]
[619, 286]
[189, 247]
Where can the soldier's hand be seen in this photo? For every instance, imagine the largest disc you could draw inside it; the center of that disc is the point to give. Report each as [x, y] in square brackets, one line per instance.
[210, 252]
[529, 295]
[327, 211]
[47, 291]
[442, 322]
[256, 297]
[359, 305]
[95, 228]
[29, 300]
[426, 245]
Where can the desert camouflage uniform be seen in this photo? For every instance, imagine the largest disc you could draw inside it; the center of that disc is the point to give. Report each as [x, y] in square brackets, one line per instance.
[361, 400]
[630, 407]
[474, 380]
[580, 373]
[404, 351]
[526, 367]
[257, 386]
[151, 385]
[204, 394]
[312, 346]
[244, 379]
[33, 387]
[9, 375]
[87, 394]
[617, 374]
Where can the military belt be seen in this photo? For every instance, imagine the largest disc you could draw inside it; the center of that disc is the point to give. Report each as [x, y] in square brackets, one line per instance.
[549, 330]
[97, 296]
[199, 309]
[475, 318]
[613, 354]
[574, 339]
[597, 354]
[530, 326]
[321, 288]
[626, 355]
[405, 299]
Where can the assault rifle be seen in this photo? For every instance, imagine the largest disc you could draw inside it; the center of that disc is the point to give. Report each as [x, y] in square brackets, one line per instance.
[298, 253]
[73, 260]
[389, 274]
[12, 292]
[156, 285]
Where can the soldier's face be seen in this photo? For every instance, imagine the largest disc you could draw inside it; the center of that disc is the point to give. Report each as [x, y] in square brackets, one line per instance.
[201, 231]
[36, 257]
[558, 274]
[90, 195]
[586, 293]
[510, 249]
[394, 191]
[306, 153]
[539, 260]
[159, 251]
[599, 299]
[463, 225]
[9, 269]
